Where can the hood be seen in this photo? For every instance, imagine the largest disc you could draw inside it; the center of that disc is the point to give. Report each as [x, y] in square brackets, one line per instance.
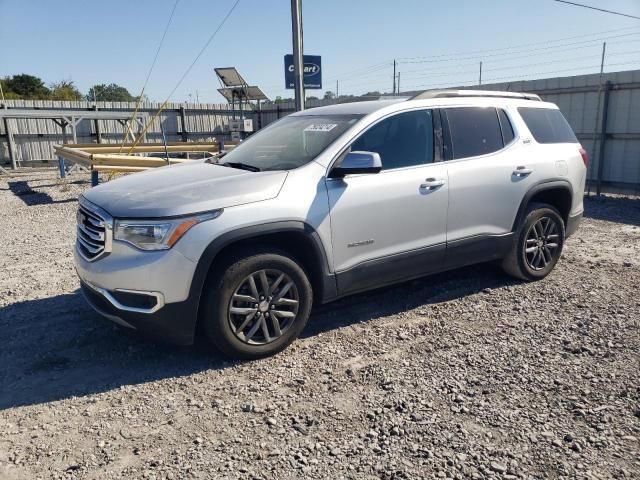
[184, 189]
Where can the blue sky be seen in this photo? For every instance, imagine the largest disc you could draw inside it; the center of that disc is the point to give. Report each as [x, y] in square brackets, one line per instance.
[437, 43]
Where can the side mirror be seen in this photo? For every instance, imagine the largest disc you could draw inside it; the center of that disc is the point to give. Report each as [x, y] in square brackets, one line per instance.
[357, 162]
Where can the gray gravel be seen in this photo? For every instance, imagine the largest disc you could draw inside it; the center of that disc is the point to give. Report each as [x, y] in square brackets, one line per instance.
[467, 374]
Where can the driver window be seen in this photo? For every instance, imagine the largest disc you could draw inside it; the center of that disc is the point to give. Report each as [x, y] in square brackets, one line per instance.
[403, 140]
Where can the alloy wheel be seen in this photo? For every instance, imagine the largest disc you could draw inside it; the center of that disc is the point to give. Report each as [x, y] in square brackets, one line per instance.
[263, 307]
[541, 244]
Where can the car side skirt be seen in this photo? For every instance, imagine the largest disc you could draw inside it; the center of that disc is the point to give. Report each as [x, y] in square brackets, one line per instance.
[391, 269]
[421, 262]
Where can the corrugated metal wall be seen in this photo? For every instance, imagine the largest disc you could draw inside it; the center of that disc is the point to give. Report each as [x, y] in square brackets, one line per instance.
[576, 96]
[34, 138]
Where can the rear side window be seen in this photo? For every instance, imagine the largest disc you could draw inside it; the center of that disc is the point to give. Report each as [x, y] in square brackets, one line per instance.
[506, 127]
[472, 131]
[547, 125]
[403, 140]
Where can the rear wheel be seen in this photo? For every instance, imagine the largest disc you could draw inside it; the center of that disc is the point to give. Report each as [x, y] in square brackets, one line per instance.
[257, 305]
[538, 243]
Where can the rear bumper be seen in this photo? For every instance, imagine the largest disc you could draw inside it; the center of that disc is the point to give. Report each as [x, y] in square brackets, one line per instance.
[172, 323]
[573, 222]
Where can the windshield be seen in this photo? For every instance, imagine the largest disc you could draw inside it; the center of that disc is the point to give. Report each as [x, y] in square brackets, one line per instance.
[289, 143]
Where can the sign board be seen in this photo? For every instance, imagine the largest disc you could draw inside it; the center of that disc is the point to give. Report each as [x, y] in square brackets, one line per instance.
[312, 71]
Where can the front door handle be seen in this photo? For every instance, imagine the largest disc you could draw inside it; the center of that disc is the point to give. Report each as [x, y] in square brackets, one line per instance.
[522, 171]
[432, 183]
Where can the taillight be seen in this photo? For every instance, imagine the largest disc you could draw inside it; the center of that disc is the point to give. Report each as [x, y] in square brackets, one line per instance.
[585, 157]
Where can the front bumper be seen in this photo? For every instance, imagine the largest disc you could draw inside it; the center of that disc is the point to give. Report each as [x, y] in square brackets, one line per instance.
[173, 322]
[146, 291]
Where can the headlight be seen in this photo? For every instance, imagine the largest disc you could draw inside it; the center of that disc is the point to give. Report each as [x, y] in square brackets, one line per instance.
[158, 234]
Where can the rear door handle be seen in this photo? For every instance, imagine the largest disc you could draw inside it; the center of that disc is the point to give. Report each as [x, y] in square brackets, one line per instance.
[432, 183]
[522, 171]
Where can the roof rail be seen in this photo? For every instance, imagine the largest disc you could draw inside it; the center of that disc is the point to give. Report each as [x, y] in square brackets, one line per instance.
[474, 93]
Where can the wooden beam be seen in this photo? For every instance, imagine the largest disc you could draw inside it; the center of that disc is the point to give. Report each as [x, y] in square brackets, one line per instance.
[71, 151]
[74, 155]
[157, 148]
[145, 144]
[124, 161]
[117, 168]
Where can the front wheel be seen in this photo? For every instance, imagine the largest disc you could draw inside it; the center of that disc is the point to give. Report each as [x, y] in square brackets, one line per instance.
[538, 243]
[257, 305]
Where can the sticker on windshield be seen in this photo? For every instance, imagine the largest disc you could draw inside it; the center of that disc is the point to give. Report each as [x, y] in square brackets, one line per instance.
[321, 127]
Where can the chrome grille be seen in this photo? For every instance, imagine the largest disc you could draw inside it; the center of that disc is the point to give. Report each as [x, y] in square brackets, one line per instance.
[93, 238]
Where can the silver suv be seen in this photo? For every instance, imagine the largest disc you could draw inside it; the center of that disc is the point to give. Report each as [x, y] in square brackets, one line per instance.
[328, 202]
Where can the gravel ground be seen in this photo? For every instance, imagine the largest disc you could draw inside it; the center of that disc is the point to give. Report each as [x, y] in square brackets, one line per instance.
[467, 374]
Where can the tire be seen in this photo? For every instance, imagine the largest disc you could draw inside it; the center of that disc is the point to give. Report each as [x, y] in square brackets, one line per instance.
[243, 328]
[542, 227]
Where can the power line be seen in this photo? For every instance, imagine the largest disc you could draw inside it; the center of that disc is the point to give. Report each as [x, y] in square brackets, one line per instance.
[371, 69]
[503, 57]
[519, 55]
[527, 52]
[507, 55]
[164, 34]
[146, 81]
[511, 67]
[382, 83]
[524, 45]
[598, 9]
[472, 67]
[184, 75]
[511, 77]
[206, 45]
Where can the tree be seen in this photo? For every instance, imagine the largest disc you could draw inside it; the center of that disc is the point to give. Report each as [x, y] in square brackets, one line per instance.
[24, 86]
[8, 94]
[329, 95]
[109, 93]
[279, 99]
[65, 90]
[375, 93]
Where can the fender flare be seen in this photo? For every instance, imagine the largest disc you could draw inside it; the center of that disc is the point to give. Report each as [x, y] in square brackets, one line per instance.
[328, 284]
[537, 188]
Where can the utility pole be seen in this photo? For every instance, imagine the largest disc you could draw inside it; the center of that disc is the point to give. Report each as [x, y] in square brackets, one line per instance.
[298, 58]
[337, 94]
[595, 122]
[394, 77]
[398, 83]
[480, 78]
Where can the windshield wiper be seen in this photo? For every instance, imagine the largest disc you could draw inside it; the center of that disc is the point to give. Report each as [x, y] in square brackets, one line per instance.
[241, 166]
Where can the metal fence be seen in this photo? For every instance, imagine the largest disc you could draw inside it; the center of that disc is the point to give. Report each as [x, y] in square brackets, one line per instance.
[610, 132]
[27, 141]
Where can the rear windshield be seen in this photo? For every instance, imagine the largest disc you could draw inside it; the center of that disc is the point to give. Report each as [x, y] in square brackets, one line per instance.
[290, 142]
[547, 125]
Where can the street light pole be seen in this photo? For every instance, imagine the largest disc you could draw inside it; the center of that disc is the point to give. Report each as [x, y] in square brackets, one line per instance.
[298, 62]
